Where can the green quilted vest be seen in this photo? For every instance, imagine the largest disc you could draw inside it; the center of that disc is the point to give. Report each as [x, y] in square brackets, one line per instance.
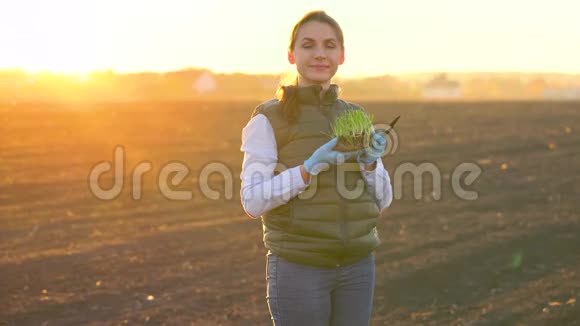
[322, 226]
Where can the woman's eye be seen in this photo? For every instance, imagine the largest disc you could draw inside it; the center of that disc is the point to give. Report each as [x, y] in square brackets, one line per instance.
[306, 46]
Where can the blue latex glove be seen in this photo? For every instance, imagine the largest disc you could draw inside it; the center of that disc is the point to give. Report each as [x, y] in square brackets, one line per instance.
[372, 153]
[325, 155]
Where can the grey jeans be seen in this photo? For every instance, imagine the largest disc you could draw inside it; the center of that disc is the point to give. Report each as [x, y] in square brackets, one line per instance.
[304, 295]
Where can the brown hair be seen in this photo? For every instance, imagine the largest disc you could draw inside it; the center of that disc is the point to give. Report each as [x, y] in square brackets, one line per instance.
[286, 94]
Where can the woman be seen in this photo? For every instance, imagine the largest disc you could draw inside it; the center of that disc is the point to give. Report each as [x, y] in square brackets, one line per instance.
[320, 260]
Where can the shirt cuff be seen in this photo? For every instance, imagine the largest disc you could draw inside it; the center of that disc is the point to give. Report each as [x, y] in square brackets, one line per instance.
[297, 180]
[370, 172]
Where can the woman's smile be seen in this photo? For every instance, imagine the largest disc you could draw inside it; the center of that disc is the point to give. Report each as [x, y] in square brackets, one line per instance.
[319, 67]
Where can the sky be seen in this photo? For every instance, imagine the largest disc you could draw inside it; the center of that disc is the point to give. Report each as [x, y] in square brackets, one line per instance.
[381, 37]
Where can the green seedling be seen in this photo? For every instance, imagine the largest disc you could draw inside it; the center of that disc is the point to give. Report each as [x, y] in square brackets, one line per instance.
[353, 128]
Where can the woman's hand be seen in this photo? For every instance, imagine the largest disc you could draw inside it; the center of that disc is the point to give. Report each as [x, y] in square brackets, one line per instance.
[325, 155]
[372, 153]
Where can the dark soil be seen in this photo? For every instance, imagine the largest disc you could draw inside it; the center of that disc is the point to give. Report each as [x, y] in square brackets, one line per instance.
[510, 257]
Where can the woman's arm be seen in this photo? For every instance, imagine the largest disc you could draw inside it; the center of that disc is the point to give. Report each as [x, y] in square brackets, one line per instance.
[261, 190]
[377, 177]
[379, 183]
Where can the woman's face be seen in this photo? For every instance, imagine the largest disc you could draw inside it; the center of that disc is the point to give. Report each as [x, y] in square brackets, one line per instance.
[317, 53]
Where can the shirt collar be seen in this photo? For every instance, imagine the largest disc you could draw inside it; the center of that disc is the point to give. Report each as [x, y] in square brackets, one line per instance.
[311, 94]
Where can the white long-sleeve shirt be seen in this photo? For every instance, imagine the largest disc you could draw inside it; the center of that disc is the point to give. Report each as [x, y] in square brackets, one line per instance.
[262, 191]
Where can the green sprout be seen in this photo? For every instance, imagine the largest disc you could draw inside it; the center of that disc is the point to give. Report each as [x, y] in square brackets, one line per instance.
[353, 128]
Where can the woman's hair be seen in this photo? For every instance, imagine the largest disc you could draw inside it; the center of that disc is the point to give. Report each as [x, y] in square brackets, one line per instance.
[286, 92]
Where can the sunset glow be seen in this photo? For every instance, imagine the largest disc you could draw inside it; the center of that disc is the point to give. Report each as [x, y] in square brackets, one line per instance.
[251, 36]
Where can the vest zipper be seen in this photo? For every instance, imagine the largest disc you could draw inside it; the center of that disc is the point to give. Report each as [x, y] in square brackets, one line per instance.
[342, 209]
[342, 223]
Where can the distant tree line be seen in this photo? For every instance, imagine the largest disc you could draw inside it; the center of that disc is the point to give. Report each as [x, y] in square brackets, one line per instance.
[184, 85]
